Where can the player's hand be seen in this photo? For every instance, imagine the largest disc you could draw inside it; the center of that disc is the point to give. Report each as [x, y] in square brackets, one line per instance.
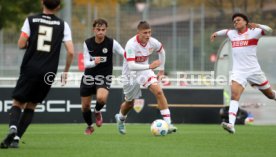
[252, 25]
[63, 80]
[97, 60]
[155, 64]
[213, 36]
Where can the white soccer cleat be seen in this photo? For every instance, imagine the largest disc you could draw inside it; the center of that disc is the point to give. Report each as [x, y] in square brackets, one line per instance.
[171, 129]
[120, 125]
[228, 127]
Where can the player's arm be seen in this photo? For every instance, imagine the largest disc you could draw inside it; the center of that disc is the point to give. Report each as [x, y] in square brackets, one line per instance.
[132, 65]
[218, 33]
[69, 46]
[162, 58]
[117, 48]
[265, 28]
[24, 36]
[88, 61]
[67, 39]
[70, 54]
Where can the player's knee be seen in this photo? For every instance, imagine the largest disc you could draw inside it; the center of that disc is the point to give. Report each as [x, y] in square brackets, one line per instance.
[270, 95]
[159, 93]
[30, 106]
[101, 100]
[129, 104]
[235, 96]
[85, 107]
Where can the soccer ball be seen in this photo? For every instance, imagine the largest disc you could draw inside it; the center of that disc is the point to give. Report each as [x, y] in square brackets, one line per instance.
[249, 120]
[159, 127]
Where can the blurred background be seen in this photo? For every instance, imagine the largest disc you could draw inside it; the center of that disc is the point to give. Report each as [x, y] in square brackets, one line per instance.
[183, 27]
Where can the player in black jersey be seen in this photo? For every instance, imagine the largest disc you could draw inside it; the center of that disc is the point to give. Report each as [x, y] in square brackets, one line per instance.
[98, 61]
[42, 36]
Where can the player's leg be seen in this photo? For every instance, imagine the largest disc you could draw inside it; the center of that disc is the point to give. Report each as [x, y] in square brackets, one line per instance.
[260, 81]
[86, 90]
[19, 95]
[162, 104]
[87, 114]
[101, 97]
[236, 91]
[14, 116]
[269, 93]
[24, 122]
[131, 91]
[120, 118]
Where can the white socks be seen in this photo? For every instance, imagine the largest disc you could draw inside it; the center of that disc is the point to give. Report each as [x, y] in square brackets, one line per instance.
[233, 109]
[13, 126]
[166, 114]
[121, 116]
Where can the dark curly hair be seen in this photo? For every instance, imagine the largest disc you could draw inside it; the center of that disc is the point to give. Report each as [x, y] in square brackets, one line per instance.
[240, 15]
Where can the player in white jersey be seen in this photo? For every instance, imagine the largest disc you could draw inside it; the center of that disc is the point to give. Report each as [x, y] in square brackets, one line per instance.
[246, 68]
[138, 72]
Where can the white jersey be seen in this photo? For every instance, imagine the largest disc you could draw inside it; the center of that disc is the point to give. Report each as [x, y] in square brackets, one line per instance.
[244, 48]
[136, 51]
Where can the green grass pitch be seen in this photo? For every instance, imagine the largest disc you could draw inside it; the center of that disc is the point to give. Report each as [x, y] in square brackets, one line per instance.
[68, 140]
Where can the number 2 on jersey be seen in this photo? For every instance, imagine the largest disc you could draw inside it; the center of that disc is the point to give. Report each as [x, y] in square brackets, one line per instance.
[45, 33]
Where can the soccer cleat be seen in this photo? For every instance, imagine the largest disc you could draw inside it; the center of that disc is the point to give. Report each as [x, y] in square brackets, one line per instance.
[89, 130]
[14, 144]
[228, 127]
[9, 138]
[120, 125]
[99, 119]
[171, 129]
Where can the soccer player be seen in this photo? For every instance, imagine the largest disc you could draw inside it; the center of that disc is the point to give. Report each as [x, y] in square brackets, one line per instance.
[137, 71]
[42, 36]
[98, 61]
[246, 68]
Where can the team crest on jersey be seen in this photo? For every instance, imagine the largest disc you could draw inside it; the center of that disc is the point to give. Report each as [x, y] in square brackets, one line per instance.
[246, 36]
[150, 50]
[105, 50]
[138, 105]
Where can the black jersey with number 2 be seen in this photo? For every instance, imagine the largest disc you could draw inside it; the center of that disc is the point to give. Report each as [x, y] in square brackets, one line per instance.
[43, 49]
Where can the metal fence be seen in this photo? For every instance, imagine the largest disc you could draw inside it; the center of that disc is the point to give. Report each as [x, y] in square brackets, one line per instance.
[183, 30]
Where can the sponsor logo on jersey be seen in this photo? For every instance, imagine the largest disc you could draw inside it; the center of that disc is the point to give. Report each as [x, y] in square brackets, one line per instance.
[102, 59]
[243, 43]
[141, 58]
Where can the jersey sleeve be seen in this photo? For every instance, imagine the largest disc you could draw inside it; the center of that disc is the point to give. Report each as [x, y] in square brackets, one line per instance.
[26, 27]
[259, 32]
[67, 32]
[117, 48]
[130, 52]
[88, 63]
[157, 45]
[223, 32]
[265, 30]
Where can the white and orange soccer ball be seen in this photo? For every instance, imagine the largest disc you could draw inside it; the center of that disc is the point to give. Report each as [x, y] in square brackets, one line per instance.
[159, 127]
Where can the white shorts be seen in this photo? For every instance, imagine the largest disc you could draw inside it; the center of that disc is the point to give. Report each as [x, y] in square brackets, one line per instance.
[132, 85]
[257, 80]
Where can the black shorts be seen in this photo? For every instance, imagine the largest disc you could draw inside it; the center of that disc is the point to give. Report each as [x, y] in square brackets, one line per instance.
[30, 90]
[89, 85]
